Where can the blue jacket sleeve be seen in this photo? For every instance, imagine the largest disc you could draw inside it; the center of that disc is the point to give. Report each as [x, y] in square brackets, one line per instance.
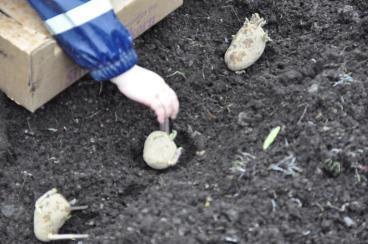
[90, 33]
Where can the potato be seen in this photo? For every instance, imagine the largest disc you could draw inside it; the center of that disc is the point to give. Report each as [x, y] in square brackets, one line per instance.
[52, 210]
[247, 45]
[160, 150]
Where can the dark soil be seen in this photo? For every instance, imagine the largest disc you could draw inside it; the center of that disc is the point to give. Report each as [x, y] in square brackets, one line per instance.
[312, 81]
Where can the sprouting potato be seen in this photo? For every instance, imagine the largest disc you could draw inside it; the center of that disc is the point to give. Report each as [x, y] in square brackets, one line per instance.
[52, 210]
[160, 150]
[247, 45]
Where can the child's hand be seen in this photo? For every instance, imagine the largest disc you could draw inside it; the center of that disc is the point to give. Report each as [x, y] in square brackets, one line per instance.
[148, 88]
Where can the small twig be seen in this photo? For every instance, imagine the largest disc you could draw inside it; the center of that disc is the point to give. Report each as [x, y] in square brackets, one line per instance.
[274, 205]
[52, 129]
[245, 154]
[203, 75]
[234, 11]
[177, 73]
[342, 209]
[58, 237]
[319, 206]
[94, 114]
[303, 114]
[297, 201]
[116, 117]
[29, 126]
[78, 208]
[357, 175]
[101, 89]
[25, 176]
[287, 166]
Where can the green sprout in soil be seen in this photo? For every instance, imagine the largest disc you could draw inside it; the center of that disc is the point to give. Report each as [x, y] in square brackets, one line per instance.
[332, 167]
[238, 166]
[271, 137]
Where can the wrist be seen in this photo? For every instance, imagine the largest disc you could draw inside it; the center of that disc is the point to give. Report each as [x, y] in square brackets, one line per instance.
[120, 79]
[121, 64]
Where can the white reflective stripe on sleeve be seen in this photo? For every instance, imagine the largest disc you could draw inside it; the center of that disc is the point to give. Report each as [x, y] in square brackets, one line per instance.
[78, 16]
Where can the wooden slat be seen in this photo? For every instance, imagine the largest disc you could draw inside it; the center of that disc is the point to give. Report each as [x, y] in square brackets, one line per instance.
[16, 34]
[24, 14]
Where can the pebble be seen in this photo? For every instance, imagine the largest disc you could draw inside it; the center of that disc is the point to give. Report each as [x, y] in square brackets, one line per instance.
[8, 210]
[348, 14]
[357, 207]
[243, 119]
[200, 141]
[290, 76]
[313, 88]
[232, 239]
[309, 70]
[326, 224]
[349, 222]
